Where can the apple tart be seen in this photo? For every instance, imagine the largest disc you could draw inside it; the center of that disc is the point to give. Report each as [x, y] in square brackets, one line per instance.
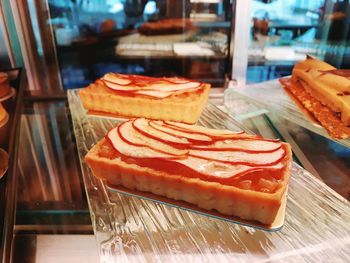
[173, 98]
[233, 173]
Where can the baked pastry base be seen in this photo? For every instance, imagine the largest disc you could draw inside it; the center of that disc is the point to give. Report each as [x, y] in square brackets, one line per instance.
[301, 107]
[325, 116]
[277, 224]
[171, 108]
[228, 200]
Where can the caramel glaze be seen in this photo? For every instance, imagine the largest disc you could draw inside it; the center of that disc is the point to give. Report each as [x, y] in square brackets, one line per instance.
[339, 72]
[143, 81]
[251, 177]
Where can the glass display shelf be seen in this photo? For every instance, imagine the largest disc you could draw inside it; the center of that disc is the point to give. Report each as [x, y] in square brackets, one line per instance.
[134, 230]
[271, 96]
[52, 221]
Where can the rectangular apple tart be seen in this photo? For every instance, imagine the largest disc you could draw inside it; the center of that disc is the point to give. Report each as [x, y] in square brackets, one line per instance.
[173, 98]
[235, 174]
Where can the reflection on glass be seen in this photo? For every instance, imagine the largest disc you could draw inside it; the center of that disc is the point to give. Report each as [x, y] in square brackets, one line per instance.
[49, 181]
[157, 38]
[279, 39]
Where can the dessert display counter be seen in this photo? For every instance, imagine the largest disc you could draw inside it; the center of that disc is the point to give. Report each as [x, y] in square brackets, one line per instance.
[54, 208]
[59, 208]
[141, 230]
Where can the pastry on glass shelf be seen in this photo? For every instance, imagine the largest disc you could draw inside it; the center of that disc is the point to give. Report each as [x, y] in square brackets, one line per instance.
[324, 91]
[233, 173]
[5, 88]
[173, 98]
[165, 27]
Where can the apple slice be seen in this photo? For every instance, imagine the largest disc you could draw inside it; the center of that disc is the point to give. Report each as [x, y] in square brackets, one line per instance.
[118, 87]
[113, 136]
[220, 172]
[129, 134]
[250, 146]
[155, 93]
[117, 79]
[164, 86]
[160, 93]
[240, 157]
[142, 78]
[191, 136]
[218, 134]
[177, 80]
[143, 127]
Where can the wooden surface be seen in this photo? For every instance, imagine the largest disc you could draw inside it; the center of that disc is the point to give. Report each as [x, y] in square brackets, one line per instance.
[127, 229]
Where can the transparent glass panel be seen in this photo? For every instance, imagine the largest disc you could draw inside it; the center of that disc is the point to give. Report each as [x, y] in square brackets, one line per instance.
[158, 38]
[283, 32]
[51, 195]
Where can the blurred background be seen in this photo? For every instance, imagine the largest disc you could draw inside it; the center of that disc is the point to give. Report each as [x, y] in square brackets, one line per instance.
[76, 41]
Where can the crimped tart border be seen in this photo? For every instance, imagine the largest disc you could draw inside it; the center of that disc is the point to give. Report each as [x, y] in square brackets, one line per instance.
[228, 200]
[172, 110]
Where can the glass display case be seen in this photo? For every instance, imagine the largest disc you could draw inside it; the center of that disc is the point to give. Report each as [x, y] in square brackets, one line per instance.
[188, 38]
[56, 211]
[280, 39]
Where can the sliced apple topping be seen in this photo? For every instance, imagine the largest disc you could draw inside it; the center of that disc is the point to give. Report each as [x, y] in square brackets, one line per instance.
[191, 136]
[119, 87]
[134, 151]
[132, 136]
[203, 130]
[142, 126]
[252, 146]
[155, 93]
[162, 146]
[221, 170]
[166, 86]
[149, 86]
[177, 80]
[241, 157]
[116, 79]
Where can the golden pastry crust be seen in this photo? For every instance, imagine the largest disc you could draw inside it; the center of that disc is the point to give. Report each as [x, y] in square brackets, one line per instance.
[228, 200]
[327, 118]
[184, 107]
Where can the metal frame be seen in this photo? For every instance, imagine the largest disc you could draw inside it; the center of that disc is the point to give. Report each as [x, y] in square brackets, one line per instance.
[240, 40]
[4, 35]
[42, 70]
